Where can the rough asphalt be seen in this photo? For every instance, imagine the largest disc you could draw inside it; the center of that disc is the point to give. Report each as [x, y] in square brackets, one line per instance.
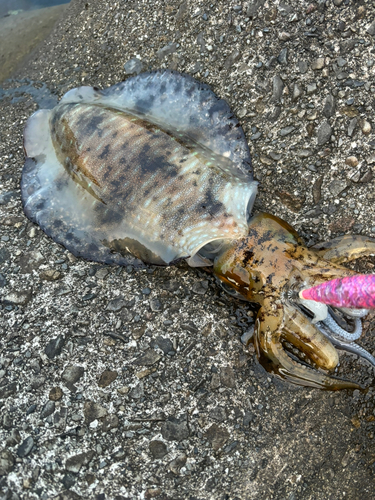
[116, 383]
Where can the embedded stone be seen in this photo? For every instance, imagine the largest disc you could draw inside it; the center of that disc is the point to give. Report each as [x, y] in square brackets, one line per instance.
[158, 449]
[55, 394]
[18, 298]
[148, 358]
[115, 305]
[174, 429]
[75, 462]
[337, 186]
[318, 63]
[227, 377]
[72, 374]
[177, 463]
[217, 436]
[352, 161]
[25, 447]
[93, 411]
[47, 409]
[166, 50]
[50, 275]
[366, 127]
[54, 347]
[107, 377]
[324, 133]
[6, 462]
[329, 106]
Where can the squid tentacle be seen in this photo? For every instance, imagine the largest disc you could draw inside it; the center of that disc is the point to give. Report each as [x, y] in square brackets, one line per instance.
[354, 349]
[340, 250]
[343, 344]
[339, 332]
[354, 313]
[302, 334]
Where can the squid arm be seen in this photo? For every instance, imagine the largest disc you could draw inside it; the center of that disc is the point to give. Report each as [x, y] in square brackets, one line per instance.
[272, 327]
[346, 248]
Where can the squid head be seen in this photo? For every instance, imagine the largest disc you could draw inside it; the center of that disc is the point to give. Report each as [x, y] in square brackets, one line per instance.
[309, 303]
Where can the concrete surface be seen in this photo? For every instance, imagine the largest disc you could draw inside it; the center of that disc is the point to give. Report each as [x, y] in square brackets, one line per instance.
[122, 384]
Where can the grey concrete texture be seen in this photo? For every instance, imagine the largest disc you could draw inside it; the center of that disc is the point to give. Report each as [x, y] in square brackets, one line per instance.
[117, 383]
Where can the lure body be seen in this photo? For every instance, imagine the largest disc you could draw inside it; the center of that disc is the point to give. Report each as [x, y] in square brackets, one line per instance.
[157, 169]
[355, 291]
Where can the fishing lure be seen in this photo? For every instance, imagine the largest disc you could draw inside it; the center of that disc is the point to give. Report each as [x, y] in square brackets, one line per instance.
[157, 169]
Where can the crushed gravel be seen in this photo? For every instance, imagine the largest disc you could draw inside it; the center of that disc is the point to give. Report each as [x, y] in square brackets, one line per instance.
[117, 383]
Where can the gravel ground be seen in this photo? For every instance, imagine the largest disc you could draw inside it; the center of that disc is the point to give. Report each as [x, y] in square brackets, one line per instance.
[116, 383]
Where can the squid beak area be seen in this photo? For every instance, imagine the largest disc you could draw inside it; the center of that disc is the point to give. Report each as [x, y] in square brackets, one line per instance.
[309, 341]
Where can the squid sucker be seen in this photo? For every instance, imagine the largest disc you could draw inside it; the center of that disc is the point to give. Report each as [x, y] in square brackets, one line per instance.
[157, 169]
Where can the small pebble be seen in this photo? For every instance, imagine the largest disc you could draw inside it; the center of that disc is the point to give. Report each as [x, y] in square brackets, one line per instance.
[286, 131]
[284, 36]
[352, 161]
[25, 447]
[283, 56]
[352, 126]
[318, 63]
[311, 88]
[366, 127]
[324, 133]
[133, 66]
[303, 67]
[55, 394]
[6, 463]
[47, 409]
[72, 374]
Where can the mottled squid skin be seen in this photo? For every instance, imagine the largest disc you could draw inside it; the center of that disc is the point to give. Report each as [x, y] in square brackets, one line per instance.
[117, 158]
[265, 267]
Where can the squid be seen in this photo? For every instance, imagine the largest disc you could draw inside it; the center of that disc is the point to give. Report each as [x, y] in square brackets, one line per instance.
[296, 288]
[155, 170]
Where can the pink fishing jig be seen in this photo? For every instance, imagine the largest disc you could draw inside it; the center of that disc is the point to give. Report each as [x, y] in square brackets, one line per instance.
[353, 291]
